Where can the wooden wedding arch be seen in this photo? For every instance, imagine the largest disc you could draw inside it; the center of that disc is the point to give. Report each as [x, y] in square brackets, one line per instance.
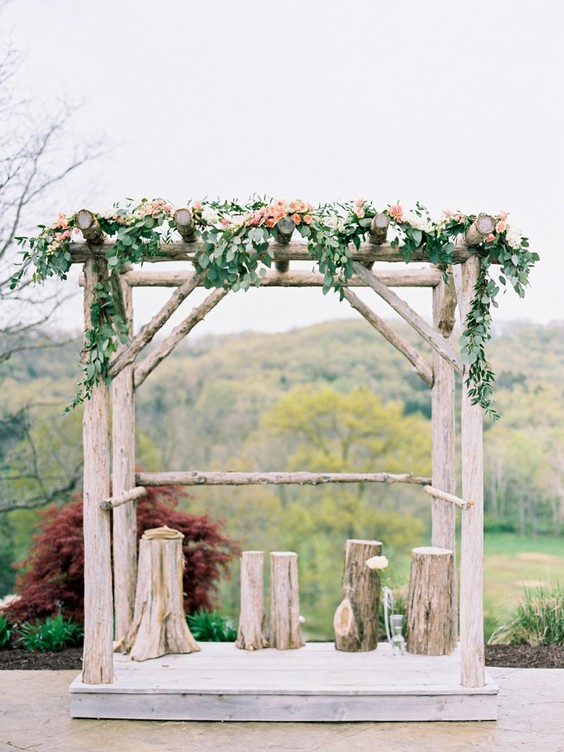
[109, 422]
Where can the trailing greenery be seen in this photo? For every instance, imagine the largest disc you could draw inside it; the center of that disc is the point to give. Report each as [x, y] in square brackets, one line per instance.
[5, 631]
[235, 253]
[52, 633]
[211, 626]
[537, 620]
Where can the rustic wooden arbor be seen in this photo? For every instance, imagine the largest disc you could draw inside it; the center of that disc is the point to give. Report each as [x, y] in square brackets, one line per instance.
[109, 434]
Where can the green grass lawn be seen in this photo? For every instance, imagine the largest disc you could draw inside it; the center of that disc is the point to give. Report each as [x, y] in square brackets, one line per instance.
[513, 563]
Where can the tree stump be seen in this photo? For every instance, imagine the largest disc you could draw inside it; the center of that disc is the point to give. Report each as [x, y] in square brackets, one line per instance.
[159, 626]
[356, 619]
[251, 635]
[285, 633]
[429, 604]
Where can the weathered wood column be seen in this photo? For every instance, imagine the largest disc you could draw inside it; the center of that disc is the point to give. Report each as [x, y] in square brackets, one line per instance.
[356, 619]
[285, 633]
[251, 634]
[97, 658]
[429, 603]
[444, 436]
[472, 538]
[123, 479]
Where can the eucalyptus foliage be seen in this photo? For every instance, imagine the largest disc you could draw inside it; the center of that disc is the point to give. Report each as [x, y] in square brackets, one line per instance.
[234, 252]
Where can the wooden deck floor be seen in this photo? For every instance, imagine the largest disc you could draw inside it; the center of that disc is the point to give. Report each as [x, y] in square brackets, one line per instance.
[315, 683]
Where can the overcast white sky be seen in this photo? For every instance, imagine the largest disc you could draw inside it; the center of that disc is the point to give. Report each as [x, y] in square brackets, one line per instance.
[454, 104]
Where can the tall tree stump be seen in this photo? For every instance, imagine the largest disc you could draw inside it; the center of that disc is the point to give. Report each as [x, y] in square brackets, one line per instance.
[159, 625]
[251, 635]
[285, 633]
[429, 605]
[356, 618]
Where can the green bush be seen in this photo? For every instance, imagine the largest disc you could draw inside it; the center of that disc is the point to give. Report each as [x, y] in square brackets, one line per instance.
[211, 626]
[5, 631]
[53, 633]
[537, 620]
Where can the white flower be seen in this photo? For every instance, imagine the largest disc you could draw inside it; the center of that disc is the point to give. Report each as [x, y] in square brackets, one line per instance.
[334, 222]
[210, 215]
[106, 213]
[513, 237]
[377, 562]
[419, 223]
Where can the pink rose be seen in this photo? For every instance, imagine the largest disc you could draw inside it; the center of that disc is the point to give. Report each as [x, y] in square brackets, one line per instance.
[489, 238]
[296, 219]
[196, 205]
[359, 212]
[396, 212]
[500, 226]
[308, 219]
[503, 216]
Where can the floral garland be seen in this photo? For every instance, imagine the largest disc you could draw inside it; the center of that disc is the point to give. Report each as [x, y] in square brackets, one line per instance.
[235, 253]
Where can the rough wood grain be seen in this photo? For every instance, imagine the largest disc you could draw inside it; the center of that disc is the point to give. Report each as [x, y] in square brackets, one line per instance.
[285, 633]
[436, 493]
[356, 619]
[198, 478]
[98, 626]
[124, 517]
[286, 227]
[472, 531]
[123, 498]
[479, 229]
[407, 313]
[147, 332]
[420, 365]
[184, 224]
[251, 633]
[443, 404]
[429, 603]
[159, 626]
[295, 250]
[148, 365]
[379, 228]
[89, 227]
[409, 277]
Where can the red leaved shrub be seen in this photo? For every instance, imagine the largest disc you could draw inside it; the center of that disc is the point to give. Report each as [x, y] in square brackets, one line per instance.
[52, 576]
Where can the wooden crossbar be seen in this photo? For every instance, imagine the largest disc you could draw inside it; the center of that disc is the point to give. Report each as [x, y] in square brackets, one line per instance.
[116, 501]
[198, 478]
[448, 497]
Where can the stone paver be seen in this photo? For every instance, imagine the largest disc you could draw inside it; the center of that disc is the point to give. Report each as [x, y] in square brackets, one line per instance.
[34, 716]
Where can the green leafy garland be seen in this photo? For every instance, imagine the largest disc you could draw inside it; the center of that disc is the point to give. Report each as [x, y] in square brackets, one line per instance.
[235, 252]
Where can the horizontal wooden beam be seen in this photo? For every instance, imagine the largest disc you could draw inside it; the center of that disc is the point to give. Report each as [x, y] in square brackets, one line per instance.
[295, 250]
[432, 337]
[197, 478]
[116, 501]
[425, 277]
[448, 497]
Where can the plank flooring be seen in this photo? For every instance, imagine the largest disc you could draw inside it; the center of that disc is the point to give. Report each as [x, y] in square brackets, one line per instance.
[314, 683]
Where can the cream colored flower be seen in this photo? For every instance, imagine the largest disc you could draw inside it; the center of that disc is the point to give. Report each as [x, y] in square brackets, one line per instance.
[377, 562]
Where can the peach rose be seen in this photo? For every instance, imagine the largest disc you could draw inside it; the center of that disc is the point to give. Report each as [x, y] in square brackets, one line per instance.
[359, 211]
[500, 226]
[196, 205]
[489, 238]
[396, 212]
[296, 219]
[308, 219]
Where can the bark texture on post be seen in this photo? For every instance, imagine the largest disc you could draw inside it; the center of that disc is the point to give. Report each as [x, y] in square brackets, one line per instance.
[159, 625]
[285, 633]
[356, 618]
[251, 634]
[429, 604]
[443, 405]
[98, 612]
[123, 479]
[472, 528]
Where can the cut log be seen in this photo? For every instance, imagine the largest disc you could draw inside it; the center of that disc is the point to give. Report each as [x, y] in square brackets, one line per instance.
[251, 634]
[481, 228]
[159, 626]
[89, 227]
[356, 619]
[300, 478]
[379, 228]
[285, 227]
[285, 633]
[184, 224]
[429, 603]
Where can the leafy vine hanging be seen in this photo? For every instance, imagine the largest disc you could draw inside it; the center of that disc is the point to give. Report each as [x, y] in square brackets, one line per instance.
[234, 253]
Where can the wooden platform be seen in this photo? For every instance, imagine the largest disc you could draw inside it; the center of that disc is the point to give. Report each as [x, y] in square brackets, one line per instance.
[315, 683]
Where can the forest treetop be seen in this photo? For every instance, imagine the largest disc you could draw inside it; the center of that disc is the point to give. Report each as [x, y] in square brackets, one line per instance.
[234, 251]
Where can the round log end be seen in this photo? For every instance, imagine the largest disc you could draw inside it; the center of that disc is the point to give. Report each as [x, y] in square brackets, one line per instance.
[285, 227]
[432, 551]
[84, 219]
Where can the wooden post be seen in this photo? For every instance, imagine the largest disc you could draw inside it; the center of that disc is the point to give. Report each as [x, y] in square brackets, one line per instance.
[444, 438]
[123, 479]
[285, 633]
[97, 657]
[429, 603]
[356, 618]
[251, 634]
[159, 626]
[472, 532]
